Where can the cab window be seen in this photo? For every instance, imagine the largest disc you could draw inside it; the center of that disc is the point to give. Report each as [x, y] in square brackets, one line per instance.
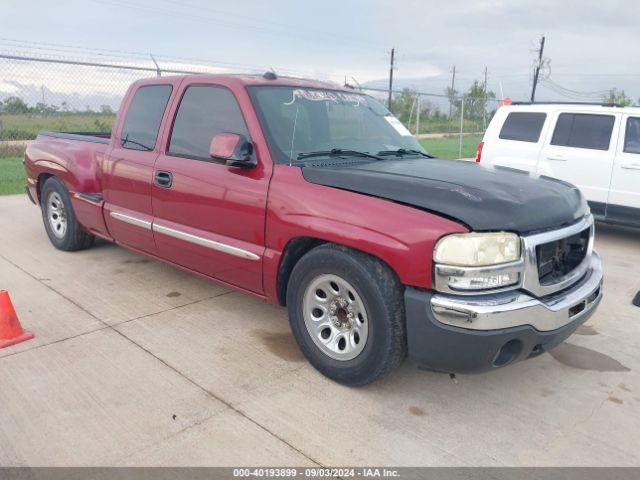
[144, 116]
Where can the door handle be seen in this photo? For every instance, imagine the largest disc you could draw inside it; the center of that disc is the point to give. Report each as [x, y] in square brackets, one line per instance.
[163, 179]
[557, 159]
[631, 166]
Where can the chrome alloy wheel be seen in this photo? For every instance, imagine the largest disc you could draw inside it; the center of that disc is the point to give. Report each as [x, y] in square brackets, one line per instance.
[335, 317]
[56, 215]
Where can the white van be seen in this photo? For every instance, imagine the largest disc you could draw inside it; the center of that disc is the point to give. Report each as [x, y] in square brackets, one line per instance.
[594, 147]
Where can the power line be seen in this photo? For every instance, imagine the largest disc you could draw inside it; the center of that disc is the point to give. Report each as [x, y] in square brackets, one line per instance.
[573, 94]
[555, 86]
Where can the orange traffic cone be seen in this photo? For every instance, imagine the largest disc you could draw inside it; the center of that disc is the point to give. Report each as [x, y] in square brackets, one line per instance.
[10, 330]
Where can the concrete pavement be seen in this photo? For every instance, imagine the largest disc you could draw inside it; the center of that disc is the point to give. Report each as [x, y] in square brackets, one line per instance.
[138, 363]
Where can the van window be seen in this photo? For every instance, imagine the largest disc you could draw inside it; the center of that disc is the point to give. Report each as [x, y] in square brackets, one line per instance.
[204, 112]
[523, 126]
[141, 126]
[583, 130]
[632, 135]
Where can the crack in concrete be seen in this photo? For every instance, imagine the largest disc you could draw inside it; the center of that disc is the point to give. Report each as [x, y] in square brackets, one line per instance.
[590, 416]
[170, 309]
[60, 340]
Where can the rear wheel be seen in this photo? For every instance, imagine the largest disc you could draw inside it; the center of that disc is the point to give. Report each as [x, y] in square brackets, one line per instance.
[59, 219]
[346, 311]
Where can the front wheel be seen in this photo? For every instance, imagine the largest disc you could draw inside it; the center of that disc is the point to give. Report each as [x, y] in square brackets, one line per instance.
[346, 311]
[59, 219]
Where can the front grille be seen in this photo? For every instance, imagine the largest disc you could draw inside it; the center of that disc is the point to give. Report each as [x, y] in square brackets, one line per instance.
[556, 259]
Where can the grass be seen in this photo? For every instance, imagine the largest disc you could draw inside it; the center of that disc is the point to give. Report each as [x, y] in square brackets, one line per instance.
[26, 127]
[13, 177]
[448, 147]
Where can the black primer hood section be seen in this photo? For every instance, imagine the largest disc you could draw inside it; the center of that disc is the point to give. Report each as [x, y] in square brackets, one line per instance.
[483, 198]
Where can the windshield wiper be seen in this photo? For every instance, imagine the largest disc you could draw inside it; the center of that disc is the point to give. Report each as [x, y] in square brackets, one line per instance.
[404, 151]
[337, 152]
[142, 145]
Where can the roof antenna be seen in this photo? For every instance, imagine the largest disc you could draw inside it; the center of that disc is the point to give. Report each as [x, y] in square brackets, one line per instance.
[270, 75]
[158, 71]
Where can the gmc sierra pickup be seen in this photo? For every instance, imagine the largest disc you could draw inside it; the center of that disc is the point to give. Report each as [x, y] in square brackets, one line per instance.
[316, 198]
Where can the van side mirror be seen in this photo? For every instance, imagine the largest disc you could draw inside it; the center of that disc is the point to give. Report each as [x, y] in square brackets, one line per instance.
[234, 148]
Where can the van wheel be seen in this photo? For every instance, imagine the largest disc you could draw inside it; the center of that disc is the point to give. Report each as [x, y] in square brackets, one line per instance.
[60, 222]
[346, 311]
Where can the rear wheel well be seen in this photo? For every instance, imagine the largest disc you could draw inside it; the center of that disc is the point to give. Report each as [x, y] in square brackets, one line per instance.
[43, 177]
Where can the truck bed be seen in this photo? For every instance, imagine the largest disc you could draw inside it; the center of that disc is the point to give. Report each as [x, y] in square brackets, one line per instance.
[75, 158]
[94, 137]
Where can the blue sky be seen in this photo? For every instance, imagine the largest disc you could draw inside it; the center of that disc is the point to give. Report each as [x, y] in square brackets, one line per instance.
[592, 45]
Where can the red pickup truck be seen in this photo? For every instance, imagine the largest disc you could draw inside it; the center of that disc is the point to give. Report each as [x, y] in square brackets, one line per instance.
[316, 198]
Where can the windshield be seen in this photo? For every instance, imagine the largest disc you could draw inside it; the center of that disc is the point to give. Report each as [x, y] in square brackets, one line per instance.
[302, 121]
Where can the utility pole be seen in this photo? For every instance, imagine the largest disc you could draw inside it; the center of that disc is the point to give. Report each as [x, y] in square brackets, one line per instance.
[484, 108]
[451, 97]
[537, 70]
[391, 67]
[418, 116]
[453, 83]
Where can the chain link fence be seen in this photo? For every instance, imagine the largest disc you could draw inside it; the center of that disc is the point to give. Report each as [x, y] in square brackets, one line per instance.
[40, 93]
[448, 126]
[50, 93]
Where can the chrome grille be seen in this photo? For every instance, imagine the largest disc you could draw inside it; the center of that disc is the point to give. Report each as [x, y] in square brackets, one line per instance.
[559, 257]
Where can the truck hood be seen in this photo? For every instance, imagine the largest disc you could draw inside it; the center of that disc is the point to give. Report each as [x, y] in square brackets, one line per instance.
[482, 198]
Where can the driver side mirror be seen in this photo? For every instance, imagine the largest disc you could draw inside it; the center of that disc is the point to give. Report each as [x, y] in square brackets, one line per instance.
[235, 149]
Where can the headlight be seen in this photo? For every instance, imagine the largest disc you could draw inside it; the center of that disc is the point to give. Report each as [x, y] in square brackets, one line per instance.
[472, 262]
[477, 249]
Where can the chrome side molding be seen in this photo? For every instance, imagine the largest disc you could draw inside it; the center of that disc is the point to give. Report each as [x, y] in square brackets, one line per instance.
[131, 220]
[187, 237]
[205, 242]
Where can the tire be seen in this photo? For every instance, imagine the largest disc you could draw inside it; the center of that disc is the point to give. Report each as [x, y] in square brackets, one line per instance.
[59, 219]
[322, 325]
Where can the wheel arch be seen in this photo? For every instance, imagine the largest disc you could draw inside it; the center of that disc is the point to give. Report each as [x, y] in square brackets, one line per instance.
[297, 248]
[42, 178]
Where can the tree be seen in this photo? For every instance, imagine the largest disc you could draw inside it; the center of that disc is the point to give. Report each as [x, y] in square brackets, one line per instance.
[106, 110]
[14, 106]
[44, 109]
[402, 105]
[476, 101]
[618, 97]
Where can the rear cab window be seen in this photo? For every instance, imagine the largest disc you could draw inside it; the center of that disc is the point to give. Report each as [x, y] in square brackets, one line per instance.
[632, 135]
[583, 130]
[523, 126]
[144, 116]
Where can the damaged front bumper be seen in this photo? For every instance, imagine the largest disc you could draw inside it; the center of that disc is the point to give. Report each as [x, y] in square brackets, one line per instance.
[464, 334]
